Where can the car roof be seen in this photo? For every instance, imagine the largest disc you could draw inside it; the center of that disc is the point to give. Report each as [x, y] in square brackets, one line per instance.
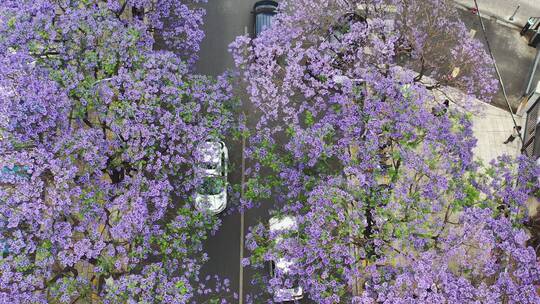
[287, 222]
[265, 7]
[283, 264]
[266, 3]
[210, 151]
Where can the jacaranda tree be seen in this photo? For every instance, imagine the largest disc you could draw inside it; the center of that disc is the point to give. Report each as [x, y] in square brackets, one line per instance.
[97, 137]
[390, 204]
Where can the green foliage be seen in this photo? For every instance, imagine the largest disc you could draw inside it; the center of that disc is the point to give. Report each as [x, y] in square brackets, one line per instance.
[110, 65]
[179, 238]
[134, 34]
[268, 156]
[322, 78]
[256, 188]
[11, 22]
[309, 119]
[44, 251]
[106, 263]
[69, 286]
[257, 255]
[290, 131]
[472, 195]
[182, 286]
[22, 264]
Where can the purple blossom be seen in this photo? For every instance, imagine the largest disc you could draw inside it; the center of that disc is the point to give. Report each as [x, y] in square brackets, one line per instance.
[97, 135]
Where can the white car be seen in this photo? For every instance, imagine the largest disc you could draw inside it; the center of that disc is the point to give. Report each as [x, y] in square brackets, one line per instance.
[211, 195]
[282, 225]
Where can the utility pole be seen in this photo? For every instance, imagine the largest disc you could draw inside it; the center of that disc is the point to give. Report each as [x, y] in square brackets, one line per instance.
[514, 14]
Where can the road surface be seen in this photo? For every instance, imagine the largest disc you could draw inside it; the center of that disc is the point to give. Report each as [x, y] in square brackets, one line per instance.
[225, 20]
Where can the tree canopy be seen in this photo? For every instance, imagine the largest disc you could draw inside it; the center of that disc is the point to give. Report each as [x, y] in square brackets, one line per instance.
[98, 130]
[357, 144]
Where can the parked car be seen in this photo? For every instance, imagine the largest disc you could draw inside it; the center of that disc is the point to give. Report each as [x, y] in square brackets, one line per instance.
[264, 12]
[211, 195]
[280, 225]
[4, 247]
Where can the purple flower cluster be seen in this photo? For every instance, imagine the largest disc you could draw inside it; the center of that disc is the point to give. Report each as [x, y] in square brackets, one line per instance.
[97, 137]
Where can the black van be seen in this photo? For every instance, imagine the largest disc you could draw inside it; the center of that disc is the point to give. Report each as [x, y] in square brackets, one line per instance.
[264, 12]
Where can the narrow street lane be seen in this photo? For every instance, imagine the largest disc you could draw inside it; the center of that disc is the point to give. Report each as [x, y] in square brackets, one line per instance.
[225, 20]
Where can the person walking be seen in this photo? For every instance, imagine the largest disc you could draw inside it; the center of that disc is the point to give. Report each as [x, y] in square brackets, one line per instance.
[441, 110]
[512, 137]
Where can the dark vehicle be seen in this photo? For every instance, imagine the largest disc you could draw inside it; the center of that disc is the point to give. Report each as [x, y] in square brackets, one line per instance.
[531, 31]
[264, 12]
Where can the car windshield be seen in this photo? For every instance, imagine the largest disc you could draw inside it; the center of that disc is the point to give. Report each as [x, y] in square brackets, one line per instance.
[209, 165]
[212, 185]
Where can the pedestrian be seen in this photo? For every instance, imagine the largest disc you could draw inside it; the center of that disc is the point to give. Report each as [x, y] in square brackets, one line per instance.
[437, 111]
[515, 133]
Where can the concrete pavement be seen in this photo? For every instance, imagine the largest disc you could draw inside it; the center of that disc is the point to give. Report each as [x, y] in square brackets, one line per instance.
[491, 128]
[491, 125]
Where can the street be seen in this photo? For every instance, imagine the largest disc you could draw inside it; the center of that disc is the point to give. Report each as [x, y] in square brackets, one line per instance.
[225, 20]
[355, 151]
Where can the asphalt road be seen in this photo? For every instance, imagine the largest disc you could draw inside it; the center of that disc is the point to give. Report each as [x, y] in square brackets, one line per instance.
[225, 20]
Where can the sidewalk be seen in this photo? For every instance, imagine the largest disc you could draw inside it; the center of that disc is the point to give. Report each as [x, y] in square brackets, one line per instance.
[503, 9]
[491, 125]
[491, 128]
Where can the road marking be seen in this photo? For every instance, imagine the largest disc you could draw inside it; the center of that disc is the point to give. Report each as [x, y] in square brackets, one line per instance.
[472, 33]
[242, 185]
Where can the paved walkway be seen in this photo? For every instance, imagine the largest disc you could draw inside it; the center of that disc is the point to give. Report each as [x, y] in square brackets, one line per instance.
[491, 125]
[491, 128]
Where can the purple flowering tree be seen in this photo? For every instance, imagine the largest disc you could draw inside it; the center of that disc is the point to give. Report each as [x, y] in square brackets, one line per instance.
[390, 205]
[98, 133]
